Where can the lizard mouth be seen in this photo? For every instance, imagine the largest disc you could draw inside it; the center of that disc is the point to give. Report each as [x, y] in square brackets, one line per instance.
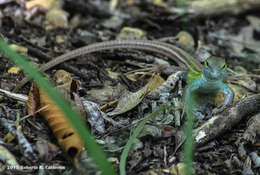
[212, 78]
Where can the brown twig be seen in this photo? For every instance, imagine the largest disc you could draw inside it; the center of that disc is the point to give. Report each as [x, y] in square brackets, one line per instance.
[227, 119]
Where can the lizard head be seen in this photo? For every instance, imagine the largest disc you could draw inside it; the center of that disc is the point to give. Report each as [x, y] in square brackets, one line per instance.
[214, 68]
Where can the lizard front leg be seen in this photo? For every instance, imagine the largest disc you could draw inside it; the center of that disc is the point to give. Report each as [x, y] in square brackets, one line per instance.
[229, 96]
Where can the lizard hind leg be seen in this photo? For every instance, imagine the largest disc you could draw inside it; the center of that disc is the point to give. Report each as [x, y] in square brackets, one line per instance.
[204, 111]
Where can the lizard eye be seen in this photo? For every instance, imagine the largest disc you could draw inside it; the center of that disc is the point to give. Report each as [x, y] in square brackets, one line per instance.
[224, 66]
[206, 64]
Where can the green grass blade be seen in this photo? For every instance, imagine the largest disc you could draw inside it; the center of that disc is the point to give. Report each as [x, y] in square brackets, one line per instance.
[133, 137]
[188, 147]
[90, 144]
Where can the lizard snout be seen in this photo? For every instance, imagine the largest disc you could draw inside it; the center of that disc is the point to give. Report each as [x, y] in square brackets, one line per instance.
[214, 74]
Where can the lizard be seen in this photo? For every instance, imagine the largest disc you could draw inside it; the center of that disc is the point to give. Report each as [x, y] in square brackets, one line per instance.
[183, 58]
[204, 79]
[208, 81]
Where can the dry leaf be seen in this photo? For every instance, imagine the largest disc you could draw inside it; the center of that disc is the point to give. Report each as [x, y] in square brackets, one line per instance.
[61, 39]
[14, 70]
[134, 76]
[19, 49]
[7, 157]
[113, 75]
[130, 2]
[252, 132]
[68, 139]
[68, 87]
[185, 38]
[158, 2]
[58, 18]
[33, 102]
[106, 94]
[94, 116]
[46, 4]
[167, 86]
[112, 5]
[46, 150]
[65, 134]
[179, 169]
[150, 130]
[155, 82]
[129, 99]
[9, 137]
[131, 34]
[54, 16]
[62, 78]
[245, 81]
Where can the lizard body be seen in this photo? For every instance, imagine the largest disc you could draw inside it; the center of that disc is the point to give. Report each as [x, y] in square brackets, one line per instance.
[209, 80]
[168, 50]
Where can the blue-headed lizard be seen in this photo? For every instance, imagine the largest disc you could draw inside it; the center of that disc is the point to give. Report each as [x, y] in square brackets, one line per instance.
[208, 81]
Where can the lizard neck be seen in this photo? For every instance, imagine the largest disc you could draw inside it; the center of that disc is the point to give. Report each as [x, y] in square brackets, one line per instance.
[209, 85]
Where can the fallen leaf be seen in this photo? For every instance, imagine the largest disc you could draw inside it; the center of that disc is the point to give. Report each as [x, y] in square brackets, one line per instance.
[129, 99]
[43, 3]
[19, 49]
[67, 137]
[150, 130]
[179, 169]
[105, 94]
[33, 102]
[6, 156]
[155, 82]
[14, 70]
[61, 39]
[47, 151]
[132, 33]
[9, 137]
[158, 2]
[94, 116]
[113, 75]
[58, 18]
[186, 38]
